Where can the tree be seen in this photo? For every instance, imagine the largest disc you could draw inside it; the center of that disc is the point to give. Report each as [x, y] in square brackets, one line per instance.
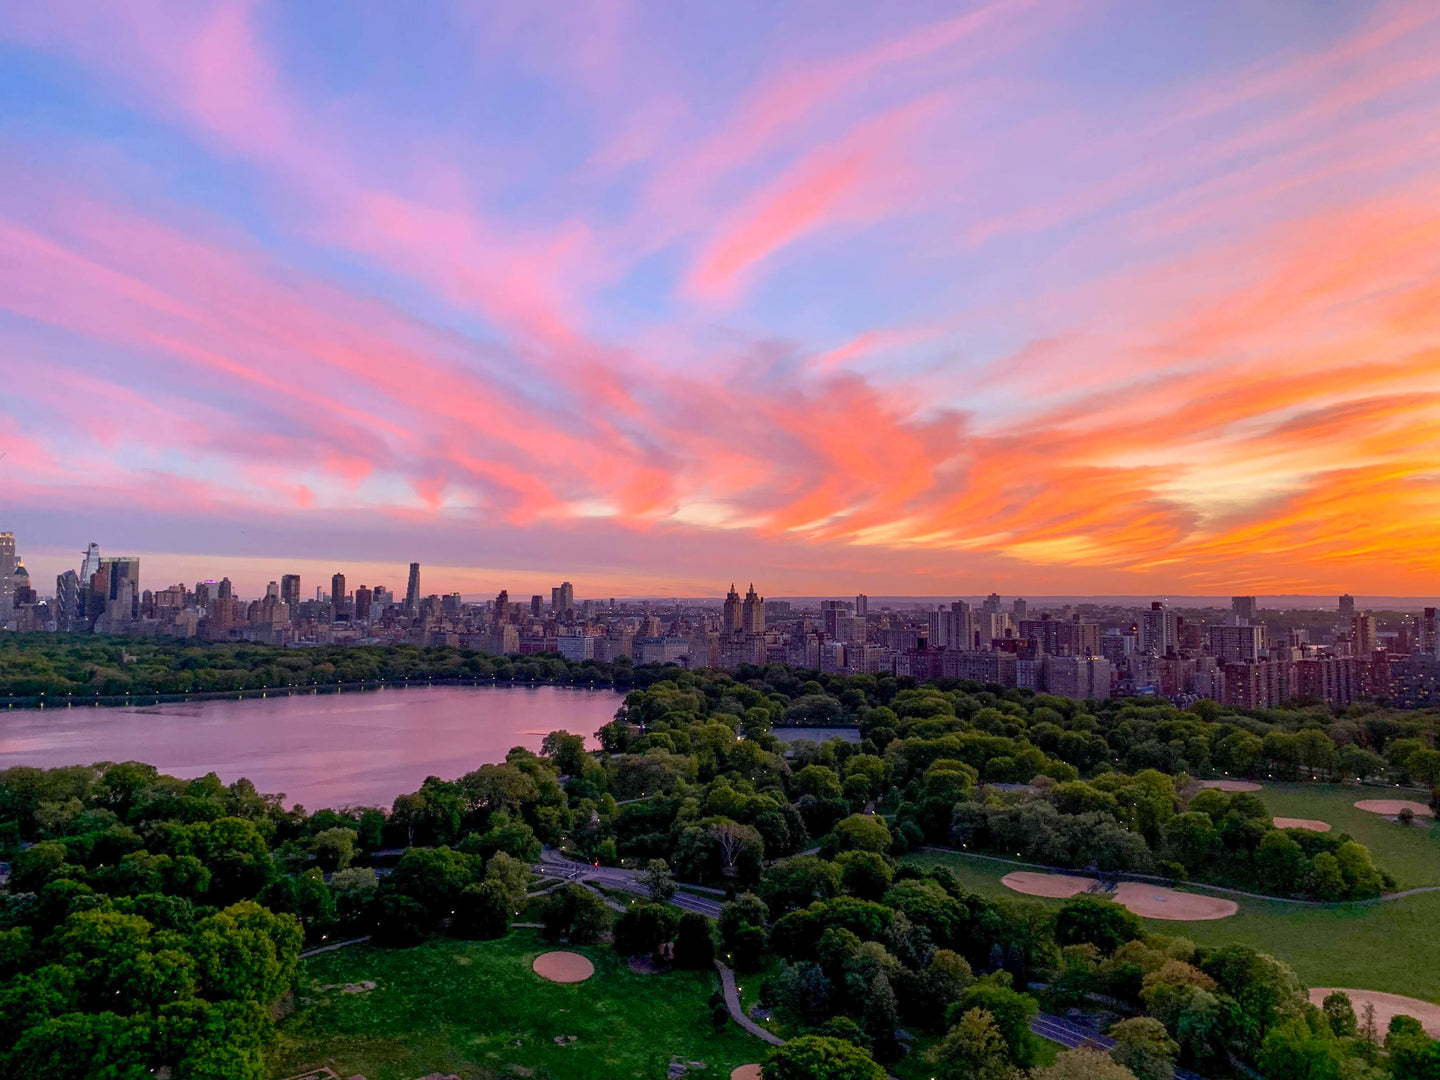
[566, 752]
[512, 877]
[1089, 920]
[816, 1057]
[434, 878]
[1144, 1047]
[881, 1016]
[694, 942]
[246, 953]
[399, 920]
[859, 832]
[659, 882]
[973, 1049]
[1084, 1064]
[797, 882]
[1293, 1051]
[1340, 1014]
[865, 874]
[1011, 1011]
[575, 913]
[483, 911]
[334, 848]
[644, 928]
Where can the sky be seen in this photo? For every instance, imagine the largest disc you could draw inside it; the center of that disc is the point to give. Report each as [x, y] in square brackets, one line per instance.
[1041, 296]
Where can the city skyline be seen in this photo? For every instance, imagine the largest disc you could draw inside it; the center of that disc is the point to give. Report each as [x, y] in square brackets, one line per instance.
[1044, 298]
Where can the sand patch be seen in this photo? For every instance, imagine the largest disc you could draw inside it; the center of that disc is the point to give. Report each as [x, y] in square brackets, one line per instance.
[745, 1072]
[563, 967]
[1158, 902]
[1230, 785]
[1386, 1007]
[1301, 823]
[1391, 807]
[1058, 886]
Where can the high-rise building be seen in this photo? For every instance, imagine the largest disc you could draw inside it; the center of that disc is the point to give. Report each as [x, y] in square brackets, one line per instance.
[337, 595]
[1427, 633]
[1243, 610]
[90, 563]
[290, 589]
[1239, 644]
[752, 612]
[7, 575]
[69, 614]
[1019, 609]
[272, 591]
[1364, 633]
[364, 603]
[225, 590]
[991, 606]
[730, 621]
[565, 600]
[862, 605]
[122, 587]
[537, 604]
[831, 611]
[1159, 630]
[412, 591]
[1347, 611]
[501, 612]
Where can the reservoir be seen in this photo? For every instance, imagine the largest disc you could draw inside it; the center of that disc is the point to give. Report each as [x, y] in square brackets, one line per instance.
[344, 749]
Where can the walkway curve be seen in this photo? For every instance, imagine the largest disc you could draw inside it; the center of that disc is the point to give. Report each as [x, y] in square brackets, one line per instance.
[732, 1002]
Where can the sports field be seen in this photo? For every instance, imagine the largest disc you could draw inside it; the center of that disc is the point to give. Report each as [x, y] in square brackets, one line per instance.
[1365, 945]
[476, 1009]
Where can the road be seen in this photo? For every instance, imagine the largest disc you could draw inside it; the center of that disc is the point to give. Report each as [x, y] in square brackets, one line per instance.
[554, 865]
[1059, 1030]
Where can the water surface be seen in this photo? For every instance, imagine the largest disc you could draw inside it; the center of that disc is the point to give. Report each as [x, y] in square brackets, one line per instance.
[360, 748]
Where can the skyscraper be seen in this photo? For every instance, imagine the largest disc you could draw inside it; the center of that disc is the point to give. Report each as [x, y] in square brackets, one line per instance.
[537, 604]
[1159, 630]
[862, 605]
[290, 588]
[991, 606]
[1347, 611]
[364, 599]
[122, 588]
[337, 593]
[412, 591]
[730, 622]
[90, 563]
[68, 612]
[7, 575]
[752, 613]
[1243, 610]
[564, 600]
[1019, 609]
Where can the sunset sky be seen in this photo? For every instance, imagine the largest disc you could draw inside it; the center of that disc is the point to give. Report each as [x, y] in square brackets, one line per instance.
[1045, 297]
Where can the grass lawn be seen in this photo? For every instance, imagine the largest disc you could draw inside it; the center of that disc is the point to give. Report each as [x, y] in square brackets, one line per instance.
[1411, 854]
[476, 1009]
[1370, 946]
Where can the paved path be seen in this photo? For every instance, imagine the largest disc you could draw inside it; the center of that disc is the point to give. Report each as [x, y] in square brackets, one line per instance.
[331, 948]
[554, 865]
[732, 1002]
[1059, 1030]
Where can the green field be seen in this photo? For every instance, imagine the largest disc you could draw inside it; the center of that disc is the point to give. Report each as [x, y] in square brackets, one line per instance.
[1411, 854]
[1370, 946]
[476, 1009]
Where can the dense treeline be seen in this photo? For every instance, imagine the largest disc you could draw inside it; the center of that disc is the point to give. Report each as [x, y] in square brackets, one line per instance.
[124, 880]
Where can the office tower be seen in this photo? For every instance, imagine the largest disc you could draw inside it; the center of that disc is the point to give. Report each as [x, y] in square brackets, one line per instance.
[1019, 609]
[1347, 611]
[7, 575]
[412, 591]
[204, 594]
[537, 604]
[752, 613]
[1243, 610]
[830, 613]
[225, 591]
[68, 612]
[90, 563]
[290, 589]
[380, 599]
[364, 601]
[1159, 630]
[730, 622]
[501, 613]
[122, 587]
[337, 594]
[862, 605]
[991, 606]
[272, 591]
[564, 600]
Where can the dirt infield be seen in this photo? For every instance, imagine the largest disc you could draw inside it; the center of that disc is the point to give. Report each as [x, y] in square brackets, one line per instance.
[563, 967]
[745, 1072]
[1386, 1006]
[1057, 886]
[1230, 785]
[1158, 902]
[1391, 807]
[1301, 823]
